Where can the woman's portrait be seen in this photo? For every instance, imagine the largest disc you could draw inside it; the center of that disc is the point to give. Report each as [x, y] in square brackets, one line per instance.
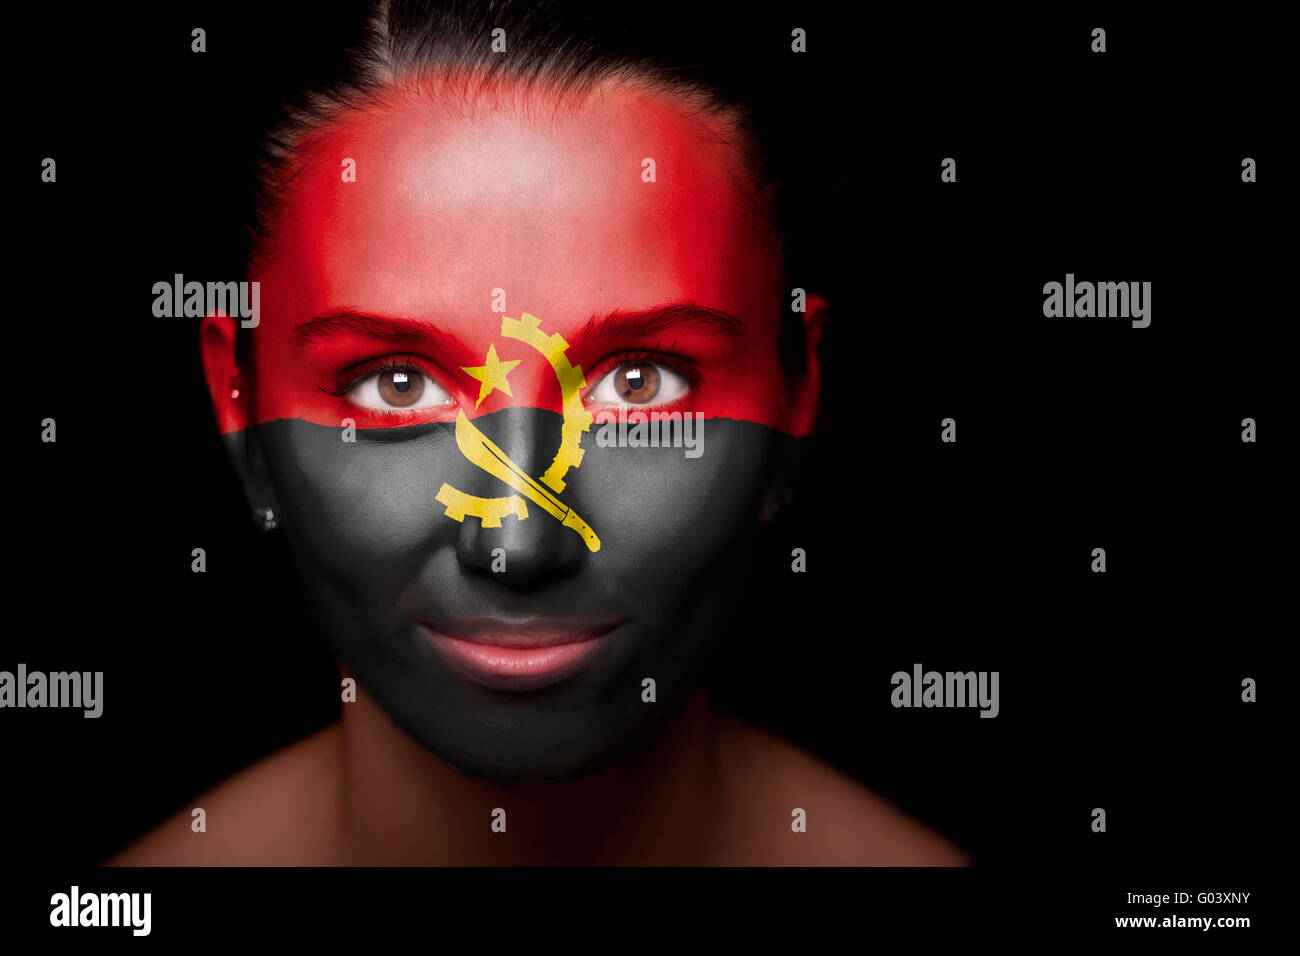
[527, 376]
[486, 438]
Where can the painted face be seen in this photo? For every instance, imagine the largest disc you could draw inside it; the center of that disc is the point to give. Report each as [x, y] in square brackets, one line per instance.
[500, 579]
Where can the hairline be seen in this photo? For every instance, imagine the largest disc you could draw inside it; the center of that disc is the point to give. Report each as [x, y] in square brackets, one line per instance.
[465, 92]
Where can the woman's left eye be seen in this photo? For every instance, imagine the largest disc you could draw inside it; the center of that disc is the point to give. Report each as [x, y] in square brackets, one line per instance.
[399, 388]
[639, 383]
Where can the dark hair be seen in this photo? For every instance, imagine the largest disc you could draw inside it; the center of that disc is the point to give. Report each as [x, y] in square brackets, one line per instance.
[565, 46]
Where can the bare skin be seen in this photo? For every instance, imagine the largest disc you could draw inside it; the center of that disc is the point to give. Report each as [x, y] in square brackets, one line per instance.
[708, 789]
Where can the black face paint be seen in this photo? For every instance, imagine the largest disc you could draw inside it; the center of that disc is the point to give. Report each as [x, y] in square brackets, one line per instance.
[377, 554]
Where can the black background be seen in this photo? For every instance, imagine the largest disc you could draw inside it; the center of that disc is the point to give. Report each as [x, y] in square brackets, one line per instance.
[1119, 690]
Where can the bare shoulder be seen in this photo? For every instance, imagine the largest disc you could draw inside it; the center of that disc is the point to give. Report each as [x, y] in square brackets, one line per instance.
[845, 823]
[278, 811]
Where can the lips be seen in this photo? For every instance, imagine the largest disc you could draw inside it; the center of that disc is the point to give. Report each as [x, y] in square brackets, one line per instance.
[512, 657]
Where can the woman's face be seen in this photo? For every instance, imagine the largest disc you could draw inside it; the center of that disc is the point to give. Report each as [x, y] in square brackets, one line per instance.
[518, 651]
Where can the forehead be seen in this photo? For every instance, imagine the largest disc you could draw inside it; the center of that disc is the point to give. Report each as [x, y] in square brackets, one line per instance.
[551, 201]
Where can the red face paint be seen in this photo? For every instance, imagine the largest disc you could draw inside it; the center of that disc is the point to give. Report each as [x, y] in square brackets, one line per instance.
[450, 217]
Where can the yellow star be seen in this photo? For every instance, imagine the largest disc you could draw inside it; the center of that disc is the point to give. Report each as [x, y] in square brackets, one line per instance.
[492, 375]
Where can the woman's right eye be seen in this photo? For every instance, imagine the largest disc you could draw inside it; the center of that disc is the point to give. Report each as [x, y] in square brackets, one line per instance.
[399, 388]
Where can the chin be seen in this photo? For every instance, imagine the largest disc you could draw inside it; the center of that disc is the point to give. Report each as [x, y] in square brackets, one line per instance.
[537, 745]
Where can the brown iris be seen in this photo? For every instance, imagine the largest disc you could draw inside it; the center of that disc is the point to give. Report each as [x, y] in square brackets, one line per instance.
[401, 388]
[636, 383]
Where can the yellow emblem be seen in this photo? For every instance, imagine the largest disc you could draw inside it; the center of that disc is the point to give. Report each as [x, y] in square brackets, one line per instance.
[480, 450]
[491, 375]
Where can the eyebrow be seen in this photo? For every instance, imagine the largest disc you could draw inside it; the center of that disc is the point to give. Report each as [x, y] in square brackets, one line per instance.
[661, 319]
[620, 323]
[361, 323]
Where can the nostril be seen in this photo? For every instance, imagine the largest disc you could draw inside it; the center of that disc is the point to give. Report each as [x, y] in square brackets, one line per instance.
[521, 553]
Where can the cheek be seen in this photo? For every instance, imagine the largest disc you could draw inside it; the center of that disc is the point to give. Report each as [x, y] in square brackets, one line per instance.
[366, 515]
[363, 501]
[666, 518]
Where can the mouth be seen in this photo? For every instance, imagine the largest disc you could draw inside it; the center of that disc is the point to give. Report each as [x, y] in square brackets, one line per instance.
[518, 658]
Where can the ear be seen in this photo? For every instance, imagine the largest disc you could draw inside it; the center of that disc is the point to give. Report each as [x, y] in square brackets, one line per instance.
[231, 390]
[805, 407]
[808, 392]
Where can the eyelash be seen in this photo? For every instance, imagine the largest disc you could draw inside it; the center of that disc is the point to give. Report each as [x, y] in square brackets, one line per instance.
[349, 379]
[683, 366]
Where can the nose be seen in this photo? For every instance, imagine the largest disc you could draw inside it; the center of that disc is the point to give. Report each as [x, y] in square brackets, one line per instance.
[523, 553]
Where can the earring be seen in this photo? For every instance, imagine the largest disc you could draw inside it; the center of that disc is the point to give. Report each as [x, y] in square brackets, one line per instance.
[265, 518]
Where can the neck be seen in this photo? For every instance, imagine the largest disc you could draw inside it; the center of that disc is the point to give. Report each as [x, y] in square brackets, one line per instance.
[654, 804]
